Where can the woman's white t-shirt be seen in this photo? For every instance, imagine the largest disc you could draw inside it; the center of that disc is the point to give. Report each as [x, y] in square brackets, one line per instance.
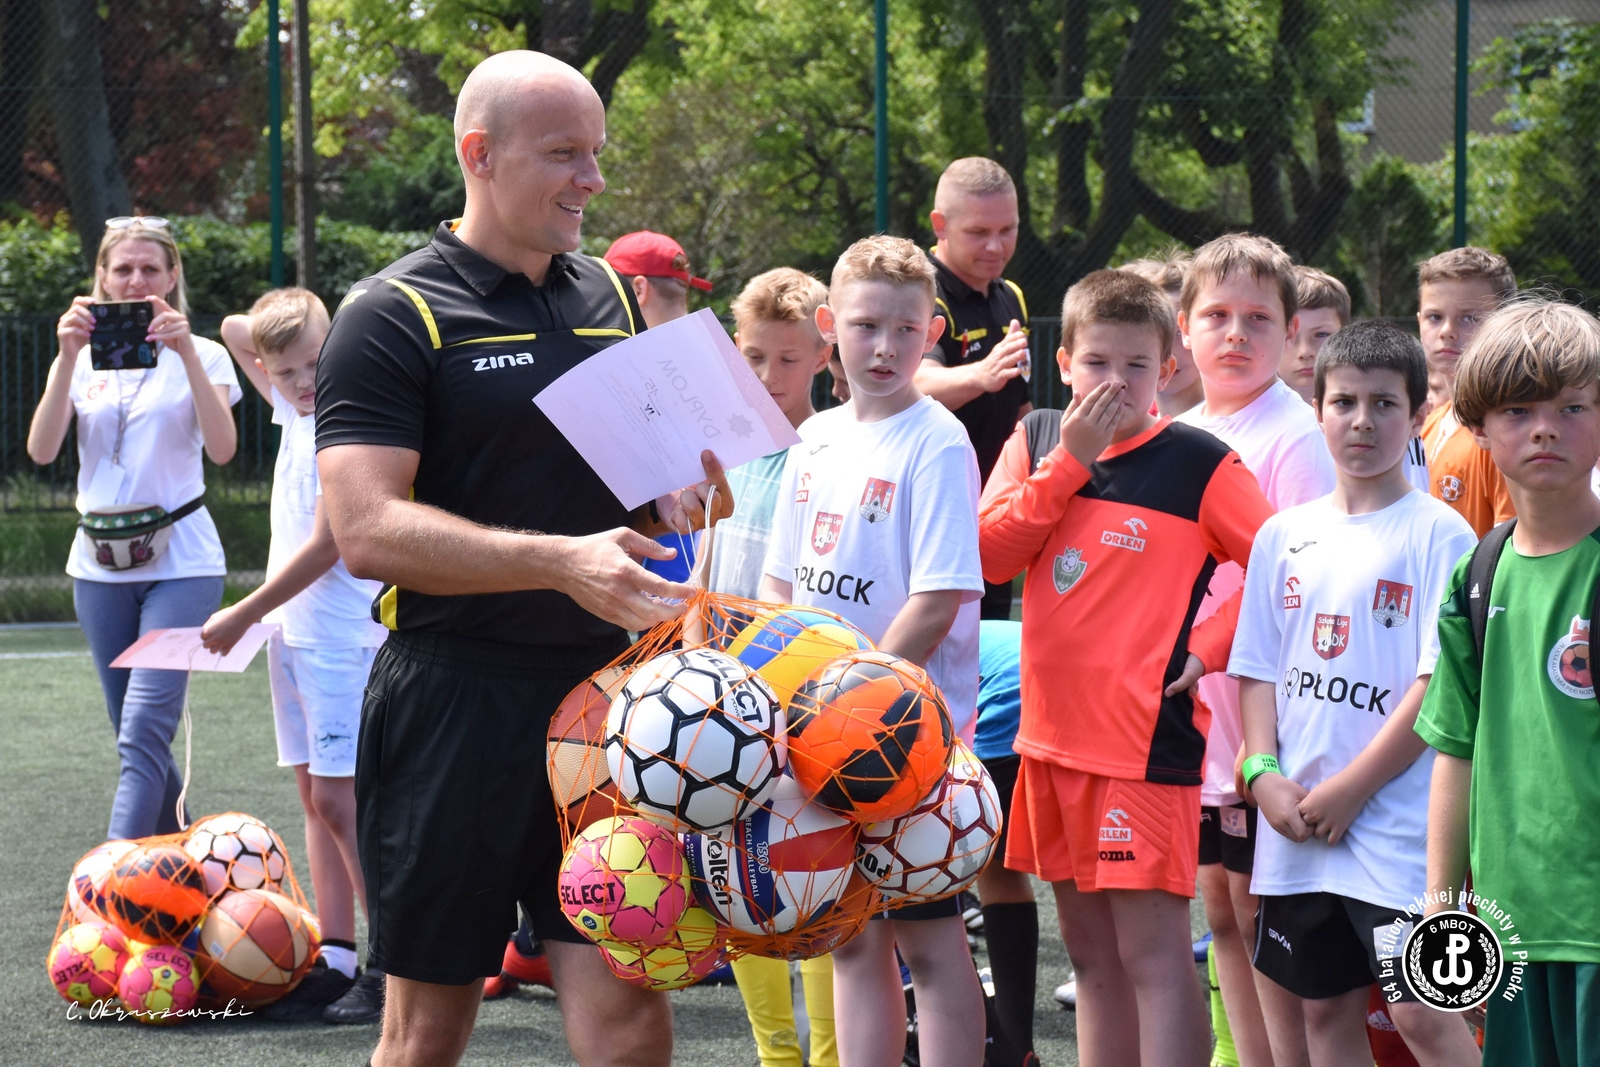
[335, 611]
[160, 459]
[1340, 614]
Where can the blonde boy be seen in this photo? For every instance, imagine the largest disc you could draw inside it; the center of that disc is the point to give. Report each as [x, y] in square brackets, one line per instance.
[776, 331]
[1324, 310]
[1456, 291]
[1107, 802]
[877, 520]
[1515, 725]
[1238, 318]
[1183, 390]
[319, 660]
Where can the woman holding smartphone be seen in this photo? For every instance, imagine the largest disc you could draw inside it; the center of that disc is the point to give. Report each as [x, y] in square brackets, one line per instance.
[140, 436]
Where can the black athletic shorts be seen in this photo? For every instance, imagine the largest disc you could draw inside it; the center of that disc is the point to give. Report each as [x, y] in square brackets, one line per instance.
[455, 821]
[937, 909]
[1320, 945]
[1228, 837]
[1003, 772]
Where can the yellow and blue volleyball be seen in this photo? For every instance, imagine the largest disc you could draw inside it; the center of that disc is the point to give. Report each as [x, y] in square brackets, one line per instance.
[786, 645]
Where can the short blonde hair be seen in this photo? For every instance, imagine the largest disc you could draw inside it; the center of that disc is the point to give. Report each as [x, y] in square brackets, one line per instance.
[973, 176]
[1530, 349]
[280, 316]
[1119, 296]
[178, 297]
[779, 295]
[1469, 262]
[1260, 257]
[882, 258]
[1166, 273]
[1317, 289]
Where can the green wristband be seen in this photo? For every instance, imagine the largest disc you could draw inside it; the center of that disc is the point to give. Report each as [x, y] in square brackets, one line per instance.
[1260, 764]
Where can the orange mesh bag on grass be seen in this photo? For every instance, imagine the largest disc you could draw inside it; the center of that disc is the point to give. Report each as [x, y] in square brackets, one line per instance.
[693, 731]
[221, 903]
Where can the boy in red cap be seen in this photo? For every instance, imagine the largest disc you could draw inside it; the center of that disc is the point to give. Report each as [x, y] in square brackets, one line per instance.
[659, 271]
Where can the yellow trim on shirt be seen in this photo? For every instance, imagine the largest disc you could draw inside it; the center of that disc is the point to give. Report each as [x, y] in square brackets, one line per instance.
[610, 331]
[497, 340]
[422, 306]
[1021, 300]
[389, 607]
[622, 294]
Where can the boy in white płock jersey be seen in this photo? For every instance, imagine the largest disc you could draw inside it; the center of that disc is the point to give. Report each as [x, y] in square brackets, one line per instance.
[877, 520]
[319, 660]
[1337, 639]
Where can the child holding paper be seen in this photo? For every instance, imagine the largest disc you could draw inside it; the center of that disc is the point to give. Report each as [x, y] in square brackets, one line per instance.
[320, 659]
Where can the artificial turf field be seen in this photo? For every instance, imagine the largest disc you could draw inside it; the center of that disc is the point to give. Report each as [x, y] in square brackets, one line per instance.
[58, 769]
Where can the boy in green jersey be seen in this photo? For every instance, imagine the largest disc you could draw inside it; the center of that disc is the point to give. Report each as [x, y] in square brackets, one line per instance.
[1516, 783]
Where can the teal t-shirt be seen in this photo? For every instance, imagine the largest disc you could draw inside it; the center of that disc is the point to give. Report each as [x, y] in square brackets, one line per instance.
[1530, 724]
[739, 549]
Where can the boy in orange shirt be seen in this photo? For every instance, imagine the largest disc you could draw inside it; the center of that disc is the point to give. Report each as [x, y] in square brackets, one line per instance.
[1098, 504]
[1456, 291]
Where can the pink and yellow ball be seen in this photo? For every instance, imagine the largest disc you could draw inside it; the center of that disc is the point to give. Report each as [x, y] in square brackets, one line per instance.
[86, 961]
[158, 983]
[624, 879]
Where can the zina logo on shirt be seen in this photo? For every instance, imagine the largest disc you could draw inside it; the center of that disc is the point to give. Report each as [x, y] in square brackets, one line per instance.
[1568, 667]
[1391, 604]
[877, 499]
[825, 532]
[508, 360]
[1330, 635]
[1068, 569]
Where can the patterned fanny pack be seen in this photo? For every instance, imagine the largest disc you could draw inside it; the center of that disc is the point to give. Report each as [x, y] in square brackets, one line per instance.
[125, 536]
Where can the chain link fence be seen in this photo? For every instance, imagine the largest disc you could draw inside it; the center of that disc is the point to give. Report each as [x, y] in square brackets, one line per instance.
[747, 131]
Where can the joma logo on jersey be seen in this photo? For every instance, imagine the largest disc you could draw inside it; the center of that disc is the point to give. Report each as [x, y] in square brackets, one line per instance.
[825, 532]
[1330, 635]
[1131, 540]
[507, 360]
[877, 500]
[1291, 596]
[1391, 604]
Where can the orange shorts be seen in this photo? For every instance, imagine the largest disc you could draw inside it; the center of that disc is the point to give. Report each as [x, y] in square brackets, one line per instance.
[1103, 833]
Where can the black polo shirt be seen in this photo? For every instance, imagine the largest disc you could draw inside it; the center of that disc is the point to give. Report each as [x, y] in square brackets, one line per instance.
[442, 352]
[974, 323]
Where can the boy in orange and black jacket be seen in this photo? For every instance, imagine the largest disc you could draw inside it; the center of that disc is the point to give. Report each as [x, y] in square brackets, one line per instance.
[1111, 509]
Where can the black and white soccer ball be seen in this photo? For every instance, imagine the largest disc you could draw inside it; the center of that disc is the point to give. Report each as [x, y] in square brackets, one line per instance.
[695, 738]
[943, 844]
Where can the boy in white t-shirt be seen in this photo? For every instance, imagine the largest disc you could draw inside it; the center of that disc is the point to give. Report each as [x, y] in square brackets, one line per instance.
[319, 659]
[877, 519]
[1238, 316]
[1336, 641]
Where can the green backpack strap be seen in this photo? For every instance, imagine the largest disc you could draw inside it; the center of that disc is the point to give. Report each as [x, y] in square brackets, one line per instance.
[1480, 580]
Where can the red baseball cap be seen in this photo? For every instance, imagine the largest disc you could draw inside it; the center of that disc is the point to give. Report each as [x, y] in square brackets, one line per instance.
[654, 255]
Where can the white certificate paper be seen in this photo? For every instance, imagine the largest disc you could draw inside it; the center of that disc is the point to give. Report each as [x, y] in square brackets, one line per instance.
[643, 410]
[179, 649]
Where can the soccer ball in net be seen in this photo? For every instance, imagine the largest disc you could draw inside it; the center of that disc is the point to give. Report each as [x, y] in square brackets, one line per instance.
[86, 961]
[86, 887]
[787, 645]
[575, 757]
[624, 879]
[777, 870]
[156, 894]
[157, 983]
[693, 951]
[869, 736]
[941, 846]
[236, 851]
[692, 738]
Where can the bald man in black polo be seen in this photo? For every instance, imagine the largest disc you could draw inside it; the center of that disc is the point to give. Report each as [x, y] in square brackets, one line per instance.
[511, 572]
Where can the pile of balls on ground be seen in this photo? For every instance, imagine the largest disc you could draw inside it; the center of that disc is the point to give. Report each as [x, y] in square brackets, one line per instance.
[198, 920]
[762, 790]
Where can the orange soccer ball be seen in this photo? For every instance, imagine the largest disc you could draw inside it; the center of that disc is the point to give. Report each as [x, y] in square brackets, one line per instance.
[156, 894]
[869, 735]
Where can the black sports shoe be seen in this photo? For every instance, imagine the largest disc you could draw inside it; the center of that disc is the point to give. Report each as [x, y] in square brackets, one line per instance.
[320, 987]
[362, 1003]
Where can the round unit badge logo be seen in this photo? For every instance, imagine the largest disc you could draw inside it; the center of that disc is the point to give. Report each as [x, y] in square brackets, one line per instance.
[1569, 666]
[1453, 961]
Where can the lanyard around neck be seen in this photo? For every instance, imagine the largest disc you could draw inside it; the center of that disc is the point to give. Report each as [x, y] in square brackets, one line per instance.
[124, 406]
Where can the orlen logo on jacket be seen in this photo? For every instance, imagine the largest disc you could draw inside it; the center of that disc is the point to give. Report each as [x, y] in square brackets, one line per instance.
[1330, 635]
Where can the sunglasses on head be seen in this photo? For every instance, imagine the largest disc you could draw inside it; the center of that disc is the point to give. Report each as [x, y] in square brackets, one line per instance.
[147, 222]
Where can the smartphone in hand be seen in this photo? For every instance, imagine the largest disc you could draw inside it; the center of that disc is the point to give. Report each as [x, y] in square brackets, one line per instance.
[118, 341]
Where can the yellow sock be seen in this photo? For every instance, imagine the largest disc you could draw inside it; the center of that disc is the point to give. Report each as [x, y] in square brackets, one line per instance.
[1224, 1055]
[768, 1001]
[817, 977]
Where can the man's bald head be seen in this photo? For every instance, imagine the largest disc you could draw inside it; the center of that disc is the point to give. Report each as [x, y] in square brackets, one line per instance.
[509, 87]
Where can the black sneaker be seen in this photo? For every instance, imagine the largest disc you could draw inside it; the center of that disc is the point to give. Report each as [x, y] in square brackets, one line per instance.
[363, 1003]
[320, 987]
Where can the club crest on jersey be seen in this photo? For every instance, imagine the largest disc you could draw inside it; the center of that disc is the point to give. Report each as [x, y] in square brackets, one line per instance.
[877, 499]
[1069, 567]
[825, 532]
[1391, 604]
[1450, 488]
[1130, 540]
[1569, 666]
[802, 492]
[1330, 635]
[1291, 594]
